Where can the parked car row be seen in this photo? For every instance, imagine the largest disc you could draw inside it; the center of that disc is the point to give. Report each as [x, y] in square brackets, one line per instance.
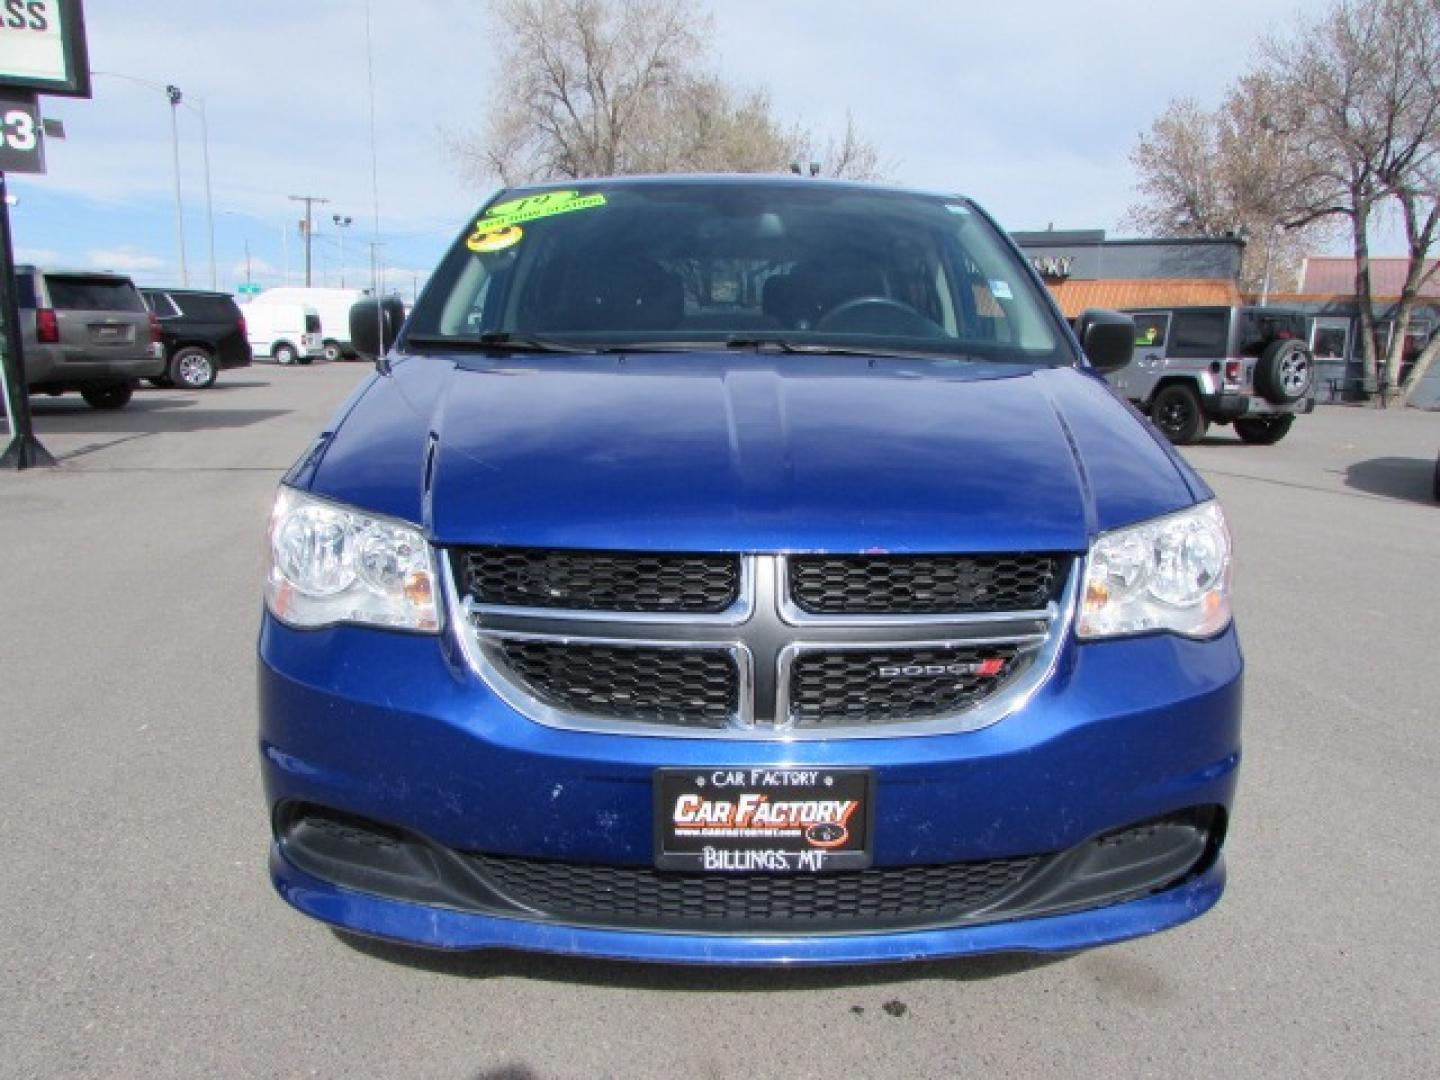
[97, 334]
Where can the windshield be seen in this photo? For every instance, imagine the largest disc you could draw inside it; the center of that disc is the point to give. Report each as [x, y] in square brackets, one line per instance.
[706, 264]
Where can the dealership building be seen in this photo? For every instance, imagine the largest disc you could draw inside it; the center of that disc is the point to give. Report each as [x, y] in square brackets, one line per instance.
[1085, 269]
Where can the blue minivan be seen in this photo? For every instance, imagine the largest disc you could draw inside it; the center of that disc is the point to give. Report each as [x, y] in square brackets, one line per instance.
[745, 570]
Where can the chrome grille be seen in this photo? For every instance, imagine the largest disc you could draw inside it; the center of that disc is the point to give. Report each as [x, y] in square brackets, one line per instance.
[599, 581]
[866, 686]
[922, 584]
[685, 687]
[761, 667]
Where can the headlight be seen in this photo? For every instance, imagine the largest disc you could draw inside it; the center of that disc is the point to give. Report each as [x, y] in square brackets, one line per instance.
[1172, 573]
[329, 564]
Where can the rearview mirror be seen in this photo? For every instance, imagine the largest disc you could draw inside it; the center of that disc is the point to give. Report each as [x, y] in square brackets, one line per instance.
[1108, 338]
[374, 326]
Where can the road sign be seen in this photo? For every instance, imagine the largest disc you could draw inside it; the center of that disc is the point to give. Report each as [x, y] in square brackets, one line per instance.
[22, 141]
[42, 51]
[20, 449]
[248, 289]
[42, 47]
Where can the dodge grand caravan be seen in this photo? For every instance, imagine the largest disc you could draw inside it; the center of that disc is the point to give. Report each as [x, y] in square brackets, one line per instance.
[745, 570]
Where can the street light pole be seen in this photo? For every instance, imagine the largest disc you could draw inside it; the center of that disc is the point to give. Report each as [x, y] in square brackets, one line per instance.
[173, 93]
[176, 98]
[209, 201]
[342, 222]
[1268, 123]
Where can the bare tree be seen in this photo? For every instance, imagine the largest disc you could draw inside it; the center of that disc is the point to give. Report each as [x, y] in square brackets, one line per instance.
[1338, 121]
[1236, 170]
[1364, 80]
[851, 156]
[581, 81]
[708, 127]
[609, 87]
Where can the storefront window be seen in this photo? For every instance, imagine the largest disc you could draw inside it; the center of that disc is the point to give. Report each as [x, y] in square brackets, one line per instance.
[1330, 342]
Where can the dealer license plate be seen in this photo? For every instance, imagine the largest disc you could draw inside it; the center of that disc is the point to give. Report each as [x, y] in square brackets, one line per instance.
[763, 820]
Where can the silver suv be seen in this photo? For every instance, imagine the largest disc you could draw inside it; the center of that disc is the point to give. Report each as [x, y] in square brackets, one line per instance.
[1197, 366]
[86, 331]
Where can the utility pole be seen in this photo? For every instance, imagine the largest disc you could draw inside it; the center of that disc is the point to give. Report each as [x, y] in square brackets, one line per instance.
[308, 227]
[176, 97]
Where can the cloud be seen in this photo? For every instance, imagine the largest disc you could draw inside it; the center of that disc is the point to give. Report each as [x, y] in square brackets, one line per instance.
[255, 267]
[38, 256]
[125, 260]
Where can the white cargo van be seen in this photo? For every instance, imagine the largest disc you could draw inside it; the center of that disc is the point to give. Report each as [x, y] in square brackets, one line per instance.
[334, 308]
[290, 333]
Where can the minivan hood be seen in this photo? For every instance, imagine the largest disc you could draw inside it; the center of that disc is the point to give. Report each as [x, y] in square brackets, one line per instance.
[699, 452]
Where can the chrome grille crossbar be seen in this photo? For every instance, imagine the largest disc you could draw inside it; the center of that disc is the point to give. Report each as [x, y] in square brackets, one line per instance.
[760, 639]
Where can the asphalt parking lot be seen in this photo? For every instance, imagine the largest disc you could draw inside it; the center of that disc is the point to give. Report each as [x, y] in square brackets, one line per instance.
[141, 938]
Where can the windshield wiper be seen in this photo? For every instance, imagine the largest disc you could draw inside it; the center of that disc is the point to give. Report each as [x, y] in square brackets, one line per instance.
[503, 341]
[508, 342]
[779, 344]
[743, 341]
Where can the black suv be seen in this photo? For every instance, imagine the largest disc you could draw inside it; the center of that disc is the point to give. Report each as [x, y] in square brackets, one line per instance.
[203, 332]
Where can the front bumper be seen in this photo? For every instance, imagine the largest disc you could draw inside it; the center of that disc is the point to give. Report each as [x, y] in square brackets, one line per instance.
[441, 928]
[397, 729]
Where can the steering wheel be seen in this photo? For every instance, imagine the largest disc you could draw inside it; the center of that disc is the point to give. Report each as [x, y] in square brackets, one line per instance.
[862, 313]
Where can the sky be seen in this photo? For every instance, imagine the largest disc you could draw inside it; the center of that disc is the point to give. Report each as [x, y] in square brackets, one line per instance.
[1031, 107]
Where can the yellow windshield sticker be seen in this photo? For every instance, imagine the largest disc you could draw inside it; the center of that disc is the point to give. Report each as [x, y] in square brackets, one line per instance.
[533, 207]
[485, 241]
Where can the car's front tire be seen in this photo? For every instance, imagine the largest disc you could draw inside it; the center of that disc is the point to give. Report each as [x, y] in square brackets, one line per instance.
[107, 398]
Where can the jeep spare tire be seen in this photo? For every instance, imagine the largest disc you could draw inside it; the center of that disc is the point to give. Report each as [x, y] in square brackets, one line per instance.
[1285, 372]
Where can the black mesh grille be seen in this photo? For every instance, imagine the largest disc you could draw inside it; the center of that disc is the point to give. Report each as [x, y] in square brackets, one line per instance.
[923, 584]
[848, 687]
[600, 581]
[686, 687]
[880, 896]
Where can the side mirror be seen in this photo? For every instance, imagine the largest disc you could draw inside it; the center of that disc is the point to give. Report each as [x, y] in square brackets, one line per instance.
[374, 326]
[1108, 338]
